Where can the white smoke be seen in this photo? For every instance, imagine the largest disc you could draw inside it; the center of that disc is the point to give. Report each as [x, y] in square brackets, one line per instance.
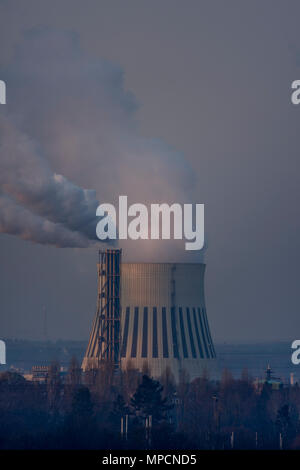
[54, 208]
[69, 114]
[19, 221]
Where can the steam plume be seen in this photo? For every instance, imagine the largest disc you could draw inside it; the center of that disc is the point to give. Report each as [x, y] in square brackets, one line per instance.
[70, 124]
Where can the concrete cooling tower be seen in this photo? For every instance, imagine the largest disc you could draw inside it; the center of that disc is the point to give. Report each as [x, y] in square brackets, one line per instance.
[151, 313]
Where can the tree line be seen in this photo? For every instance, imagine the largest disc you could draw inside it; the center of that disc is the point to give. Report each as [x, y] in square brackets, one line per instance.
[104, 409]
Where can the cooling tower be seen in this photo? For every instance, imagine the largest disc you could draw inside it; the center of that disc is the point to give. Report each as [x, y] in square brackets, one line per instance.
[162, 320]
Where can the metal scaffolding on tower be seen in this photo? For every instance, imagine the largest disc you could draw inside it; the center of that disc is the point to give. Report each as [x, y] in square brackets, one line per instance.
[104, 344]
[109, 305]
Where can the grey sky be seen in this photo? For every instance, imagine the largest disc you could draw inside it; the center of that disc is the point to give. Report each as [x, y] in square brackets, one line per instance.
[212, 81]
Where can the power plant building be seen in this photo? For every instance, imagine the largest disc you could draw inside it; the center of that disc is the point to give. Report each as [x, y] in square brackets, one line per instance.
[156, 317]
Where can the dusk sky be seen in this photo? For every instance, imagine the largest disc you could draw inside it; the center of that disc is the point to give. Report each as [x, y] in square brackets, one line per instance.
[164, 101]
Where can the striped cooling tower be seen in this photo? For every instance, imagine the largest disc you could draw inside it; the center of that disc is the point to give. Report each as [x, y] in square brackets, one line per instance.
[163, 320]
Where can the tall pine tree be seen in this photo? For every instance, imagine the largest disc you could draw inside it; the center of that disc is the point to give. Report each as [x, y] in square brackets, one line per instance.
[148, 401]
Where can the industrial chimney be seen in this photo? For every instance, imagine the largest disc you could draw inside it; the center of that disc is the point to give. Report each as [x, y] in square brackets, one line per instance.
[159, 318]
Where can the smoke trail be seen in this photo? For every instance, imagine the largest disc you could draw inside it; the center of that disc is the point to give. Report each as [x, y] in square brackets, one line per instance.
[19, 221]
[69, 114]
[37, 204]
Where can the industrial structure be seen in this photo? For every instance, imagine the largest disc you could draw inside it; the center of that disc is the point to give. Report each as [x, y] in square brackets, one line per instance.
[104, 343]
[151, 314]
